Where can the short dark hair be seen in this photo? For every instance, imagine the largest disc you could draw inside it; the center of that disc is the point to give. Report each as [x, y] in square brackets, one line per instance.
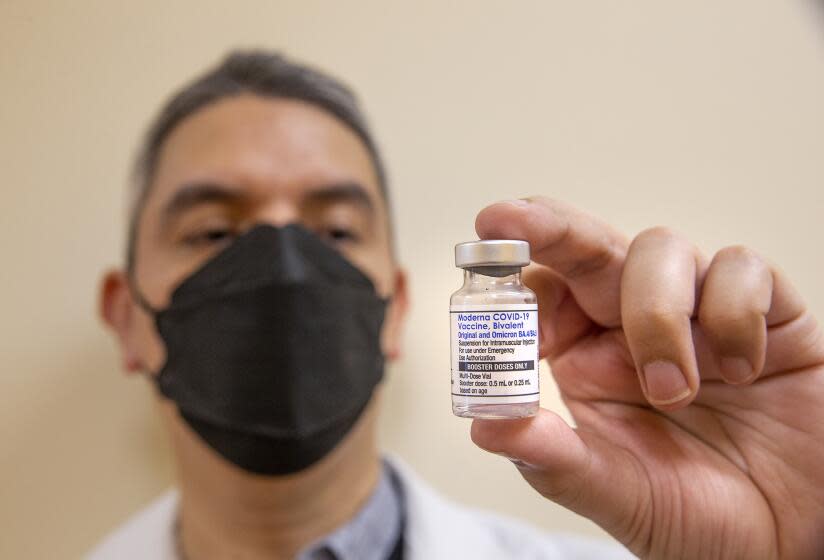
[264, 73]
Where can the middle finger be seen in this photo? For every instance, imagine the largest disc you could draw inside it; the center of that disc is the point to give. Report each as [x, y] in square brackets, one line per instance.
[658, 293]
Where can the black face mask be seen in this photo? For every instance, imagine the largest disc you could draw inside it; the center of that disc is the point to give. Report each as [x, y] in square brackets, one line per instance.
[273, 349]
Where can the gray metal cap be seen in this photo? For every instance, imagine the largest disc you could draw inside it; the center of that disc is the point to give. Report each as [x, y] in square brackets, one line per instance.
[492, 252]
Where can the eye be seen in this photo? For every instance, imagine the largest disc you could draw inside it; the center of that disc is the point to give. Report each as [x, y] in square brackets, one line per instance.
[209, 236]
[341, 235]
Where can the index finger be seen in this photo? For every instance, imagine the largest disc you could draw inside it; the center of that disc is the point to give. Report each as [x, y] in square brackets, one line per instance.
[587, 252]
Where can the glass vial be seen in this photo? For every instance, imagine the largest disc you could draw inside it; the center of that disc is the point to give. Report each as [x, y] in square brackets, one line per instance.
[494, 333]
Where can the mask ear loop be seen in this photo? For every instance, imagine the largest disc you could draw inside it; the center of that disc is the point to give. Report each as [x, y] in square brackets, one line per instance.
[151, 310]
[138, 296]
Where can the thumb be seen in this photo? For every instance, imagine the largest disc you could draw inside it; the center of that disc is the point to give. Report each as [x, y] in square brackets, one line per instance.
[578, 470]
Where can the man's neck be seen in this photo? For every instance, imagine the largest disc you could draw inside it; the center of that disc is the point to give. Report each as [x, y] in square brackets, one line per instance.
[227, 513]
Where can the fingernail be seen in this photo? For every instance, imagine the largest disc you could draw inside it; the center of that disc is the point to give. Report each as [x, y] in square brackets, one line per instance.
[521, 465]
[520, 202]
[517, 462]
[665, 383]
[736, 370]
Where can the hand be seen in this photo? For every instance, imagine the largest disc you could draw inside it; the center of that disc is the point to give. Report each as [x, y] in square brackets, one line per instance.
[697, 388]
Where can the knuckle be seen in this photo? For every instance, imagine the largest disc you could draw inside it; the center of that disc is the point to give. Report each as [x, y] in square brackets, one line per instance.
[597, 258]
[655, 320]
[728, 320]
[740, 253]
[661, 238]
[724, 322]
[661, 234]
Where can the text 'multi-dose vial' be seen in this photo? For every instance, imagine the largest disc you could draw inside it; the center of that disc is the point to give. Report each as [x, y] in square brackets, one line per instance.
[494, 333]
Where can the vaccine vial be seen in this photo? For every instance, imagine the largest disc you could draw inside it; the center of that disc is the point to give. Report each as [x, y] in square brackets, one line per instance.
[494, 333]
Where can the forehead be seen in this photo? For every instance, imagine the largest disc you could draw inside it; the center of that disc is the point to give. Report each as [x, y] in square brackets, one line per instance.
[263, 143]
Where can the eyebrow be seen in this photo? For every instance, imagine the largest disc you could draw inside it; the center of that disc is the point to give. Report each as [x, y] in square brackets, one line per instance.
[195, 194]
[191, 195]
[349, 191]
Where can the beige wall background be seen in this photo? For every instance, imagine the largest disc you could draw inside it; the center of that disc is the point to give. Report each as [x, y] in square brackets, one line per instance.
[706, 116]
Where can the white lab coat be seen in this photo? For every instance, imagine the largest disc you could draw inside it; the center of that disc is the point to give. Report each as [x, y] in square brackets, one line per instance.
[436, 529]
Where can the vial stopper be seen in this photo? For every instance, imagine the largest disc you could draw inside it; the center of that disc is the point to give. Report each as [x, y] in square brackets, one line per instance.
[492, 252]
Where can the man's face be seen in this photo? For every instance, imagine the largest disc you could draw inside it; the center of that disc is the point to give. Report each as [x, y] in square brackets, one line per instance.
[248, 160]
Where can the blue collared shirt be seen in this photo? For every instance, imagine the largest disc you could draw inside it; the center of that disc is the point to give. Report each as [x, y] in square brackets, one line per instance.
[373, 533]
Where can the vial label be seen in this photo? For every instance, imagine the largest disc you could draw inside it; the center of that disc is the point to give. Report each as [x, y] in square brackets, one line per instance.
[495, 352]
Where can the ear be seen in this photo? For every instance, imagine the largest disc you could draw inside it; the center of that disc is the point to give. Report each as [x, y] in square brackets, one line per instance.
[395, 318]
[118, 310]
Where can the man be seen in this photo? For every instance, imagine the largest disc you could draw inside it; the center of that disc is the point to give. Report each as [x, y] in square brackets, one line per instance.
[261, 295]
